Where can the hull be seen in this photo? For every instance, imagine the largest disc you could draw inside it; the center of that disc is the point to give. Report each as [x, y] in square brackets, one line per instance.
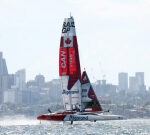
[72, 116]
[54, 116]
[101, 117]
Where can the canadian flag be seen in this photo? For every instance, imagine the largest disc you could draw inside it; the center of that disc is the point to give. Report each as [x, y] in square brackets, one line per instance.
[68, 41]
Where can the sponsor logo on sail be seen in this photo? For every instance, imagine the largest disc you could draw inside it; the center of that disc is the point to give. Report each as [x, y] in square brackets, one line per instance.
[67, 92]
[63, 59]
[67, 26]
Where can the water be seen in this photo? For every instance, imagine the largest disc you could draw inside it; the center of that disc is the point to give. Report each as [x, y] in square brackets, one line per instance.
[33, 127]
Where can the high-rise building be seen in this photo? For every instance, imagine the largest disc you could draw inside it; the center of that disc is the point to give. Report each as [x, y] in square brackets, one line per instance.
[3, 77]
[20, 79]
[13, 95]
[40, 80]
[1, 91]
[11, 80]
[3, 66]
[4, 82]
[140, 80]
[9, 96]
[137, 82]
[123, 81]
[132, 83]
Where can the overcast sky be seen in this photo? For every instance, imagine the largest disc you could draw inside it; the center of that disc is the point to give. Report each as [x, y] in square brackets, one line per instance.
[113, 36]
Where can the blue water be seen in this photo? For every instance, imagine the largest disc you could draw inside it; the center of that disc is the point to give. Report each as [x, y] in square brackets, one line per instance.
[33, 127]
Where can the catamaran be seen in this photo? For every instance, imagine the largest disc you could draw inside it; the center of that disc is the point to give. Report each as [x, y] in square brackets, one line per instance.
[79, 99]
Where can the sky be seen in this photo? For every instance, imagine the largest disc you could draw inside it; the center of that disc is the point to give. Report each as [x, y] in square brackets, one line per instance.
[113, 36]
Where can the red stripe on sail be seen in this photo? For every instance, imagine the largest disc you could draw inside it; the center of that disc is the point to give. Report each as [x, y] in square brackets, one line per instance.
[69, 63]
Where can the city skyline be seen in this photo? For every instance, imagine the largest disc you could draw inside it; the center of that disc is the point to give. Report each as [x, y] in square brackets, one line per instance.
[118, 33]
[125, 82]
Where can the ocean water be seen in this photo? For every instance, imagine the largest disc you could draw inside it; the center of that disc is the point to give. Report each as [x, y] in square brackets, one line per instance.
[33, 127]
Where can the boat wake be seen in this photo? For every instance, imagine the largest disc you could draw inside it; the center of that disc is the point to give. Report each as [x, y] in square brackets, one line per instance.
[18, 121]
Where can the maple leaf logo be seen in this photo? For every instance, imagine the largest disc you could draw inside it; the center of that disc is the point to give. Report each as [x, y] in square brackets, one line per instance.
[68, 41]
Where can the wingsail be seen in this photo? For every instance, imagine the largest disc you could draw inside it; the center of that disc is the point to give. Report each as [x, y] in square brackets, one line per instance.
[69, 66]
[90, 102]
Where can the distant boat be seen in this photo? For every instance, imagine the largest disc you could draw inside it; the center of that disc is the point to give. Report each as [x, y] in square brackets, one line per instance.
[79, 99]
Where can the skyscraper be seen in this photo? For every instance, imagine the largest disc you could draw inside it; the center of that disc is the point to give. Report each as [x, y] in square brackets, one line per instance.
[3, 76]
[123, 81]
[40, 80]
[3, 66]
[137, 82]
[11, 80]
[140, 80]
[20, 79]
[132, 83]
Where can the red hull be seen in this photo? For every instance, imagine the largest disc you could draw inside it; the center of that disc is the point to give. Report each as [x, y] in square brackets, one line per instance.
[54, 116]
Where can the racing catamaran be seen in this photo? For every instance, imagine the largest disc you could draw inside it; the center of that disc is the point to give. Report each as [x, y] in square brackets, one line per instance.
[80, 101]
